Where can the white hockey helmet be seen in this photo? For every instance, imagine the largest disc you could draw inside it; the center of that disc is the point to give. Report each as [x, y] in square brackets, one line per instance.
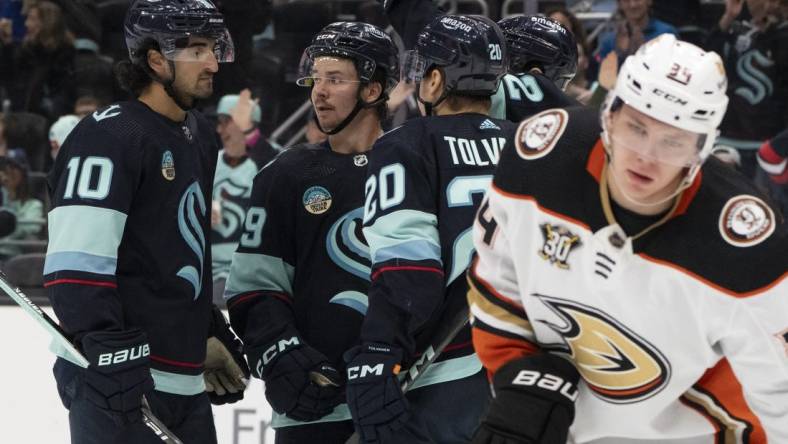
[676, 83]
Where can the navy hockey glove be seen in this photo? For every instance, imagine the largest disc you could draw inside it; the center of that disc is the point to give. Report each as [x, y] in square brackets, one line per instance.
[374, 395]
[119, 372]
[299, 380]
[534, 402]
[226, 372]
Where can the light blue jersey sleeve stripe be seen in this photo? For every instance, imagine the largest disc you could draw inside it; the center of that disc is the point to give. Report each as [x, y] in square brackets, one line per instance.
[416, 250]
[176, 384]
[255, 272]
[404, 234]
[76, 261]
[84, 229]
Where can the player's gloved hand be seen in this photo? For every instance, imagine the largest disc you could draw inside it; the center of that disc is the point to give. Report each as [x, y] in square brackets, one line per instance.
[374, 396]
[299, 380]
[226, 373]
[119, 372]
[534, 402]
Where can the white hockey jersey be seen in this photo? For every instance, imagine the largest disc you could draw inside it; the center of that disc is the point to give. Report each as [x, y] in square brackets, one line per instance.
[680, 334]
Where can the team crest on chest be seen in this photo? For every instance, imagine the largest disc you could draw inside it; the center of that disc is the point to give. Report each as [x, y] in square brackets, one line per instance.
[617, 364]
[168, 165]
[317, 200]
[538, 135]
[746, 221]
[558, 243]
[360, 160]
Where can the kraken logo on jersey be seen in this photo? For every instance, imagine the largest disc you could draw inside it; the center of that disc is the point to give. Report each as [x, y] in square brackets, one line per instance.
[190, 226]
[558, 243]
[348, 249]
[233, 205]
[759, 84]
[168, 165]
[617, 364]
[346, 245]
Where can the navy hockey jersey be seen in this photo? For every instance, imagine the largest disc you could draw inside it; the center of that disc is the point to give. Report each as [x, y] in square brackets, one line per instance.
[131, 193]
[756, 63]
[302, 266]
[520, 97]
[425, 181]
[681, 331]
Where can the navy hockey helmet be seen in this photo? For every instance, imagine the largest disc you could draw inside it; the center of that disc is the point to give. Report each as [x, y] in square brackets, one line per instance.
[368, 46]
[536, 41]
[469, 50]
[170, 23]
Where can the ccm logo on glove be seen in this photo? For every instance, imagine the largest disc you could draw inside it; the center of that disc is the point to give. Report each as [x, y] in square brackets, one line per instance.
[365, 370]
[270, 353]
[122, 356]
[546, 381]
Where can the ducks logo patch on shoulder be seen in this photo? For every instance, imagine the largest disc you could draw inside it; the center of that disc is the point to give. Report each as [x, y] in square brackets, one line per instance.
[317, 200]
[746, 221]
[537, 136]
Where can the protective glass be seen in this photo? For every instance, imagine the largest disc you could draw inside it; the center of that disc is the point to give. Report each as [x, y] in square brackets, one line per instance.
[365, 66]
[678, 150]
[178, 49]
[414, 66]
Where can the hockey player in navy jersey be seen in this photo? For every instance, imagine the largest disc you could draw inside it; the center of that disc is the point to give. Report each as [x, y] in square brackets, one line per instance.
[128, 262]
[542, 53]
[297, 290]
[424, 182]
[629, 287]
[542, 62]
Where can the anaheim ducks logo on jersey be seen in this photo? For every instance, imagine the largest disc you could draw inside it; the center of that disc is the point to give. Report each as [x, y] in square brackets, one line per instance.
[538, 135]
[618, 365]
[746, 221]
[558, 243]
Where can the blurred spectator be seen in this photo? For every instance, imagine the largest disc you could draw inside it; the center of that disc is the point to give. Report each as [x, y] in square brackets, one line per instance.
[633, 26]
[11, 19]
[755, 53]
[86, 105]
[241, 132]
[28, 133]
[60, 130]
[29, 211]
[37, 74]
[578, 88]
[93, 74]
[232, 186]
[773, 172]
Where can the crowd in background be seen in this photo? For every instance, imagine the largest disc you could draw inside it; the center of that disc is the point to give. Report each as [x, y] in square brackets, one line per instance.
[57, 57]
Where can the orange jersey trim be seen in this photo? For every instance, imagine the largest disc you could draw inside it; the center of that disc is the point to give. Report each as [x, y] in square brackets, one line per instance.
[495, 351]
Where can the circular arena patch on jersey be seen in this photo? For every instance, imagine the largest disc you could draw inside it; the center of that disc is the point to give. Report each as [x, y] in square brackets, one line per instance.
[746, 221]
[537, 136]
[167, 165]
[317, 200]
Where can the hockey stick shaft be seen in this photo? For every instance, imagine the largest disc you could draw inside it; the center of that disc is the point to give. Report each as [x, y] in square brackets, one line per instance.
[61, 340]
[443, 337]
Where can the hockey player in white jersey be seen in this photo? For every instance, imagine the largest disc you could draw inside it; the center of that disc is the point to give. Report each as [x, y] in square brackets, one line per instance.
[628, 287]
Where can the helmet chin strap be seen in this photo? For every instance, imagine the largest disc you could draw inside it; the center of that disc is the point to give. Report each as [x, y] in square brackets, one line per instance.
[360, 104]
[429, 107]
